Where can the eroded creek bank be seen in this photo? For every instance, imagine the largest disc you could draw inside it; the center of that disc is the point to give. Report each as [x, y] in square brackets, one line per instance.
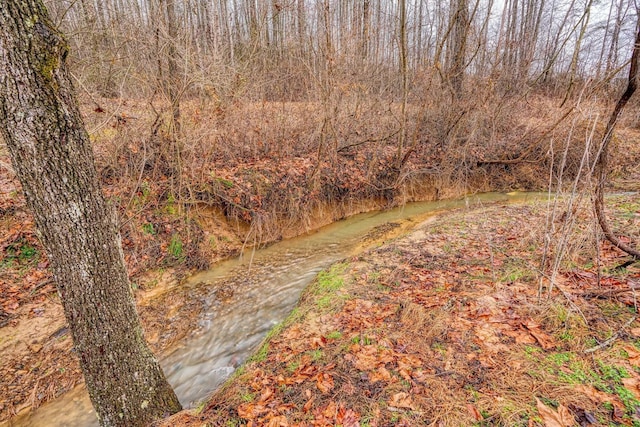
[220, 316]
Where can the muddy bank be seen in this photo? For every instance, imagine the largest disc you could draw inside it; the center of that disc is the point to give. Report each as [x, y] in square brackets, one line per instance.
[38, 361]
[174, 224]
[451, 325]
[168, 309]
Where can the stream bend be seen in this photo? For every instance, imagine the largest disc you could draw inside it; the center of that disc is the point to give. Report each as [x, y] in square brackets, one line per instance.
[266, 285]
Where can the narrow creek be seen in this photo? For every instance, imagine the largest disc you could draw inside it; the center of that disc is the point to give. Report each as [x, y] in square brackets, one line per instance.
[262, 287]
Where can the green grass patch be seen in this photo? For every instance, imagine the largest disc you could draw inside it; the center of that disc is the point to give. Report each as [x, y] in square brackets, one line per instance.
[335, 335]
[263, 351]
[327, 284]
[148, 228]
[225, 182]
[516, 273]
[631, 404]
[315, 354]
[566, 336]
[248, 397]
[172, 207]
[325, 301]
[361, 339]
[19, 253]
[329, 281]
[176, 248]
[566, 368]
[261, 354]
[292, 366]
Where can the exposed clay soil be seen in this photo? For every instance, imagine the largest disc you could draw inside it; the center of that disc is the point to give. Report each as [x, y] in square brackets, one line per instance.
[233, 203]
[446, 327]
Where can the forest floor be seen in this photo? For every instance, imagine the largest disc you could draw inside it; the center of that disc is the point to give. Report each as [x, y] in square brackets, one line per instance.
[270, 191]
[452, 325]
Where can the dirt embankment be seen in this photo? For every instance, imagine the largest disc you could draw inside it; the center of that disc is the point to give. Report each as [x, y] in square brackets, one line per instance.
[243, 184]
[454, 325]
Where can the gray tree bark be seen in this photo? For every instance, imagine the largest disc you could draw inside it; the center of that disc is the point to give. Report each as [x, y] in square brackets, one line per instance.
[458, 46]
[51, 154]
[172, 81]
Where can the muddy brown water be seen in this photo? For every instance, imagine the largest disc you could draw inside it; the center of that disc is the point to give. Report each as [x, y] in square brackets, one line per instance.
[247, 296]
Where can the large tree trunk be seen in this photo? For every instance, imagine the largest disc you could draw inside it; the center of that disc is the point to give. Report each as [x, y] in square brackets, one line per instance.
[172, 83]
[404, 75]
[458, 46]
[51, 153]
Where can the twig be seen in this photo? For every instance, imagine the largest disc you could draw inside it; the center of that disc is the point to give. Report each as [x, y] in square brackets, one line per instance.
[41, 285]
[567, 296]
[610, 292]
[612, 339]
[355, 144]
[625, 264]
[87, 91]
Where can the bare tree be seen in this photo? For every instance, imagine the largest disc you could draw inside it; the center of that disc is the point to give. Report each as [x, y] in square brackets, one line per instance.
[404, 75]
[456, 53]
[602, 162]
[52, 157]
[172, 81]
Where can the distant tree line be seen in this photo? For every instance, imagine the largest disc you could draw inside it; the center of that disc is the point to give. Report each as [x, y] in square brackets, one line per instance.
[300, 49]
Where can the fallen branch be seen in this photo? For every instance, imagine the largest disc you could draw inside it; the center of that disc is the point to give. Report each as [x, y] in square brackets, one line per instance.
[355, 144]
[610, 292]
[614, 337]
[625, 264]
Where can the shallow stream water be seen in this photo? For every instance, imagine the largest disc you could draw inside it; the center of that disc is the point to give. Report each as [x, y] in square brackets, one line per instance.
[265, 284]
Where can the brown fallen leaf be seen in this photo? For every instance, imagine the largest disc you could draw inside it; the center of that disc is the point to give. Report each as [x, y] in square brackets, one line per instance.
[486, 334]
[279, 421]
[409, 361]
[545, 341]
[634, 355]
[406, 374]
[401, 400]
[348, 417]
[380, 374]
[552, 418]
[293, 333]
[331, 410]
[285, 407]
[318, 342]
[249, 411]
[522, 337]
[369, 357]
[324, 382]
[365, 361]
[633, 385]
[473, 411]
[266, 395]
[598, 396]
[618, 415]
[307, 406]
